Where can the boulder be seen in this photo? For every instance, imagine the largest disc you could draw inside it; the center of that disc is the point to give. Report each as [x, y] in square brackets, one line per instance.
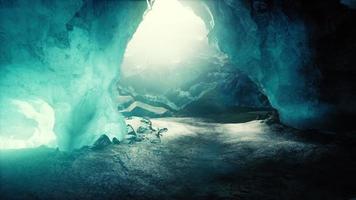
[272, 118]
[131, 130]
[142, 129]
[115, 141]
[102, 142]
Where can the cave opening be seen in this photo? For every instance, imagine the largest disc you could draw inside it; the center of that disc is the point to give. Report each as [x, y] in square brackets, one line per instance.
[169, 67]
[169, 48]
[172, 68]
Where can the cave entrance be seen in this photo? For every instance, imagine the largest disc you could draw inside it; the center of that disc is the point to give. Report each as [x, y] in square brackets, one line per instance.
[171, 69]
[169, 48]
[168, 52]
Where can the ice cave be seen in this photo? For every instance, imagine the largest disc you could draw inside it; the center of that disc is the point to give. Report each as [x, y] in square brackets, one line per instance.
[177, 99]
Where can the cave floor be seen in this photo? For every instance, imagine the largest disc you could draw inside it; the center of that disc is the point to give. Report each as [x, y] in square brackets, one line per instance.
[195, 160]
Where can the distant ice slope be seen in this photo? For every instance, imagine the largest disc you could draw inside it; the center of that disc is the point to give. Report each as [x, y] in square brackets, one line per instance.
[220, 90]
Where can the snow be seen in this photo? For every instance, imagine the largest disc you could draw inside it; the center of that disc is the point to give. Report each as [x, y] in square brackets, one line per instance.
[153, 109]
[181, 127]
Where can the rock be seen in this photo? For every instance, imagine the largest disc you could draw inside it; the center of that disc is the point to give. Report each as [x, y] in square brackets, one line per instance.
[130, 130]
[160, 131]
[102, 142]
[156, 140]
[129, 139]
[273, 118]
[142, 129]
[146, 121]
[115, 141]
[139, 139]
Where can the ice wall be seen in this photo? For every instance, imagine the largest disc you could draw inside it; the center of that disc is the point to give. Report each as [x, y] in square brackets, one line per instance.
[273, 49]
[58, 64]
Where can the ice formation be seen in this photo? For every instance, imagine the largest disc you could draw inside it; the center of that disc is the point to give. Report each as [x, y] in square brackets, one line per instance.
[59, 61]
[273, 49]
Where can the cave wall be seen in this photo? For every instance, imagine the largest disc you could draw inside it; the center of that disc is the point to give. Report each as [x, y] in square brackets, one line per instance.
[332, 30]
[298, 51]
[59, 61]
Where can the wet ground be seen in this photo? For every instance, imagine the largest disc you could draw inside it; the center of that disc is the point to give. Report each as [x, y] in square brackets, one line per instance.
[194, 160]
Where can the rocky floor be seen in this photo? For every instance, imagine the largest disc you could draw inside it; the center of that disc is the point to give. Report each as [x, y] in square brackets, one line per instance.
[194, 160]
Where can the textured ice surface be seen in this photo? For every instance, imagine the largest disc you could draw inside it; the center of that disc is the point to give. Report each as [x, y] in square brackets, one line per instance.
[273, 49]
[59, 60]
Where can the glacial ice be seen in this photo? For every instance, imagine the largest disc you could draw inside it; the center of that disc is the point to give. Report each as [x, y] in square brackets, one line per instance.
[59, 62]
[272, 48]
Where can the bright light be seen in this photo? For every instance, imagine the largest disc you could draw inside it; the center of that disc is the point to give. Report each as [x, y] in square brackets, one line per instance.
[168, 34]
[42, 132]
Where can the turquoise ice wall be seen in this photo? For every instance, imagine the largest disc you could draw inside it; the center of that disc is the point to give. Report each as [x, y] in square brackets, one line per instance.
[59, 60]
[273, 48]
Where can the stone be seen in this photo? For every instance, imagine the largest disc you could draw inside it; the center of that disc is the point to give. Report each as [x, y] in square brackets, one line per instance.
[160, 131]
[102, 142]
[142, 129]
[115, 141]
[273, 118]
[130, 130]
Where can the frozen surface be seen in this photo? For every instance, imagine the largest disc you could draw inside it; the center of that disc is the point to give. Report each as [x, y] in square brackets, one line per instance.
[183, 127]
[194, 160]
